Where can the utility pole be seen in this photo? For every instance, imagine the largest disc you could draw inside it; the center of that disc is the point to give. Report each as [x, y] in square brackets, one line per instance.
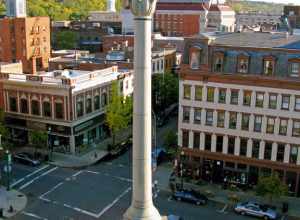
[142, 207]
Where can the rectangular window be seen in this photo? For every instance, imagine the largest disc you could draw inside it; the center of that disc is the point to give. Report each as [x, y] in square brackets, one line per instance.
[232, 120]
[296, 128]
[221, 119]
[294, 154]
[185, 138]
[247, 98]
[209, 117]
[59, 111]
[197, 115]
[243, 65]
[234, 98]
[198, 93]
[186, 114]
[245, 122]
[294, 70]
[268, 67]
[219, 147]
[231, 143]
[210, 94]
[297, 103]
[259, 100]
[280, 152]
[243, 147]
[186, 91]
[285, 104]
[207, 143]
[283, 126]
[218, 64]
[273, 101]
[196, 140]
[255, 149]
[270, 125]
[222, 96]
[257, 123]
[35, 107]
[47, 109]
[268, 151]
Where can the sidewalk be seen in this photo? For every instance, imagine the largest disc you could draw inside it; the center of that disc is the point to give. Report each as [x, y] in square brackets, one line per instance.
[74, 161]
[220, 196]
[12, 198]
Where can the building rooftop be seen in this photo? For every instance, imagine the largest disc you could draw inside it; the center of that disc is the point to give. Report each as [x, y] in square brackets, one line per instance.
[255, 39]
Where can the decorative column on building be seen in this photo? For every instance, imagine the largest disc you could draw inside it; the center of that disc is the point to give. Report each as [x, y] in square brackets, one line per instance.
[142, 207]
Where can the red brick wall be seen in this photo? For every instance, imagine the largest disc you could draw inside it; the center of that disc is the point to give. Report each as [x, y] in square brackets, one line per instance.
[112, 41]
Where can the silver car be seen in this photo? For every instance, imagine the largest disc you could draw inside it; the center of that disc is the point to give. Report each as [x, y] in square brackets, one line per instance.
[255, 209]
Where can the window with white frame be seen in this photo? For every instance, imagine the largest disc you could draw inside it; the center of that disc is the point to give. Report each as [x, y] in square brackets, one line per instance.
[259, 99]
[283, 126]
[257, 123]
[270, 125]
[285, 104]
[294, 69]
[273, 101]
[209, 117]
[186, 114]
[197, 115]
[296, 128]
[297, 103]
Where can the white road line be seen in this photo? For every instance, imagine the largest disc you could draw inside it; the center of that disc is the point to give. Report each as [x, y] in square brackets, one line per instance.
[76, 174]
[113, 203]
[29, 175]
[51, 190]
[33, 215]
[36, 178]
[88, 171]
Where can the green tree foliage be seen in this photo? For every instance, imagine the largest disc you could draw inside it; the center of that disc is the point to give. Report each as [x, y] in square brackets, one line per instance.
[3, 131]
[66, 40]
[170, 142]
[271, 187]
[258, 6]
[38, 139]
[2, 7]
[118, 111]
[164, 91]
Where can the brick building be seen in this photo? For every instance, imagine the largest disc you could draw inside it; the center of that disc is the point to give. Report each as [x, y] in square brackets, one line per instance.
[187, 18]
[239, 107]
[67, 104]
[25, 39]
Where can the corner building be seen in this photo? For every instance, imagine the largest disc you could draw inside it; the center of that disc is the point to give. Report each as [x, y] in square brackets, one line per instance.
[239, 107]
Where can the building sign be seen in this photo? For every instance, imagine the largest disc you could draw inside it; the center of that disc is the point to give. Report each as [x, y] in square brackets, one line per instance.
[87, 124]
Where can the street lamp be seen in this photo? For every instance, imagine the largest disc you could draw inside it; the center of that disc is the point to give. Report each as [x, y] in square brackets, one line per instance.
[181, 169]
[50, 143]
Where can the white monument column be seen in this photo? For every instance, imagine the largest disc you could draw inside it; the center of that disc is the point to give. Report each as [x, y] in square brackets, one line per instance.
[142, 207]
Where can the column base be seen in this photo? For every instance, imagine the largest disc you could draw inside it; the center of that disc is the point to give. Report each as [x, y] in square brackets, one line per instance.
[149, 213]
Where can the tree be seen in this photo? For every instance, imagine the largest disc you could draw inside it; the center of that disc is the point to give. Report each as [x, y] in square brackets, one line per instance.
[164, 91]
[271, 187]
[170, 142]
[38, 139]
[66, 40]
[118, 112]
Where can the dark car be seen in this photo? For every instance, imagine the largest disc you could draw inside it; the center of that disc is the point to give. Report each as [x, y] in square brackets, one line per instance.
[26, 158]
[174, 217]
[190, 196]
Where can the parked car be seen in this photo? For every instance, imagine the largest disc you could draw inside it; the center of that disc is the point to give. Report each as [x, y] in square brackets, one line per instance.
[26, 158]
[190, 196]
[255, 209]
[174, 217]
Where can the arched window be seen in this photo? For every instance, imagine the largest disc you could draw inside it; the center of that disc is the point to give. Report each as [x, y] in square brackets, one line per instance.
[46, 108]
[59, 109]
[88, 104]
[97, 101]
[35, 107]
[13, 104]
[79, 106]
[24, 105]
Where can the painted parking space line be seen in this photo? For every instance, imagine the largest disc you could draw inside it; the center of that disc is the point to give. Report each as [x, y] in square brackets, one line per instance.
[29, 175]
[36, 178]
[51, 190]
[33, 215]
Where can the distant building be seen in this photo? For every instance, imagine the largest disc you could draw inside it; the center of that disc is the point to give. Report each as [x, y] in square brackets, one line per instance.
[293, 14]
[67, 104]
[239, 107]
[255, 19]
[187, 18]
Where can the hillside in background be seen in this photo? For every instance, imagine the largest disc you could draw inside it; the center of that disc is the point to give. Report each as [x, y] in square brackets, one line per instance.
[62, 10]
[258, 6]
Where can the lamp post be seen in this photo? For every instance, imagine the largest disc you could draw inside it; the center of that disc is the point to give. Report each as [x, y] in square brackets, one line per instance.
[50, 144]
[181, 169]
[8, 168]
[142, 207]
